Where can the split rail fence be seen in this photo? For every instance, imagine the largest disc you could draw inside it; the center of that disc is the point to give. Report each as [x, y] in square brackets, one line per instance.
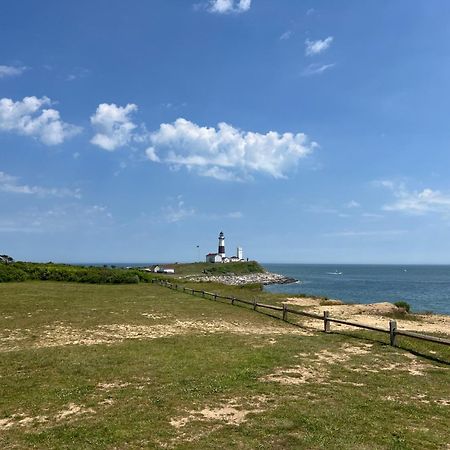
[393, 331]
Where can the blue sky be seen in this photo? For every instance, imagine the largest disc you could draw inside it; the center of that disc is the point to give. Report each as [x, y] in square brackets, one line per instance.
[308, 131]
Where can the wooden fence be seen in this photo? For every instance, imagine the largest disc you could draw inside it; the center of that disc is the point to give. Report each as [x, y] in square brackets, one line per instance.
[393, 331]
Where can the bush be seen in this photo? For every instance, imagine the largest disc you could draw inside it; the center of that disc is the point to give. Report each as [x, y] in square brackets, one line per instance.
[403, 305]
[10, 273]
[60, 272]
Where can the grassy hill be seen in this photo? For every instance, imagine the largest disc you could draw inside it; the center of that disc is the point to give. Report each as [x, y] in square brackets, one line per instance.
[140, 366]
[238, 268]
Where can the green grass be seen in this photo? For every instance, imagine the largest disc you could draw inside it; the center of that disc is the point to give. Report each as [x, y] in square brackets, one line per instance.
[157, 379]
[237, 268]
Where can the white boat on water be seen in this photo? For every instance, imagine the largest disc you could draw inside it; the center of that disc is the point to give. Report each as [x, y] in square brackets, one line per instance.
[334, 273]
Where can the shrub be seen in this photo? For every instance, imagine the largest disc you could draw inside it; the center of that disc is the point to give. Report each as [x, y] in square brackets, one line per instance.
[403, 305]
[10, 273]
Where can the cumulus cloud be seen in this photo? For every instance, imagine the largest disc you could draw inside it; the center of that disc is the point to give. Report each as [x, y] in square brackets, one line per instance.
[316, 69]
[225, 152]
[10, 184]
[29, 117]
[315, 47]
[113, 125]
[228, 6]
[11, 71]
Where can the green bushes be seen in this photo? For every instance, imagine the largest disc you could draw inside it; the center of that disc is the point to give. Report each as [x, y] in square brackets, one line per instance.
[10, 273]
[59, 272]
[403, 305]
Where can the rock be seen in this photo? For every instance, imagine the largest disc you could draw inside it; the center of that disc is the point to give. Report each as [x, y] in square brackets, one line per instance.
[250, 278]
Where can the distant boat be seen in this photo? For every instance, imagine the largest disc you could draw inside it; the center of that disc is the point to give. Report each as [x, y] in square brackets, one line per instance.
[334, 273]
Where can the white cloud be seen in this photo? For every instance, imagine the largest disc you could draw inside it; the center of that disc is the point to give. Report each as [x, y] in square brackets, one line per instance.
[228, 6]
[352, 204]
[225, 152]
[316, 69]
[28, 117]
[10, 184]
[286, 35]
[60, 218]
[368, 233]
[113, 125]
[177, 210]
[416, 202]
[235, 215]
[11, 71]
[78, 73]
[315, 47]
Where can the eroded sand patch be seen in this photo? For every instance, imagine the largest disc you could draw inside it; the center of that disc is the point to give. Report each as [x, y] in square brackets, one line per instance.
[314, 368]
[232, 412]
[419, 398]
[21, 420]
[60, 335]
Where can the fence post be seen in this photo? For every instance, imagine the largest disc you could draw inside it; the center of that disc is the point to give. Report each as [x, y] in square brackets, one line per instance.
[326, 322]
[232, 300]
[393, 332]
[254, 304]
[284, 312]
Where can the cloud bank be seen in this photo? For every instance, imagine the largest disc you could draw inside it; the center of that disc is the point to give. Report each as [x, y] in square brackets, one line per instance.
[29, 117]
[225, 152]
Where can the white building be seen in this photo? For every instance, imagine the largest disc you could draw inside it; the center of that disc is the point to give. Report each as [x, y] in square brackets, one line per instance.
[220, 256]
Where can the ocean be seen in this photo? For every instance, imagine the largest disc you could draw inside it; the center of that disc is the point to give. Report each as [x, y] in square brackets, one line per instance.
[425, 288]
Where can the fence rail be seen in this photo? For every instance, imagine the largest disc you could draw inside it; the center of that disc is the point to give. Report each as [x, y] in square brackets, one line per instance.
[327, 320]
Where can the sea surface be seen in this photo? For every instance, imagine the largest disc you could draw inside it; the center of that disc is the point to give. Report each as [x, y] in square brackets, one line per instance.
[425, 288]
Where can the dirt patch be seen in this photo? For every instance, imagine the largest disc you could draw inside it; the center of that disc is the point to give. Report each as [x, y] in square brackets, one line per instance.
[61, 335]
[314, 370]
[156, 316]
[73, 410]
[21, 420]
[419, 398]
[232, 412]
[412, 365]
[295, 375]
[111, 386]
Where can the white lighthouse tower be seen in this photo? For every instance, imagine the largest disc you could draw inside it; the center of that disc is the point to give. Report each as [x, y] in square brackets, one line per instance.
[221, 251]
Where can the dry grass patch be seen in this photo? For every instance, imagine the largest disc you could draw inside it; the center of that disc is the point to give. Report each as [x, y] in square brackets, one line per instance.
[61, 335]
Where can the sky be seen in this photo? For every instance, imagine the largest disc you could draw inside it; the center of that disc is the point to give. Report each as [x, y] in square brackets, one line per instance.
[308, 131]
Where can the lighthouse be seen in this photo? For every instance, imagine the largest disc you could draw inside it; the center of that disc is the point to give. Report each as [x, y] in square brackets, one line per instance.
[221, 251]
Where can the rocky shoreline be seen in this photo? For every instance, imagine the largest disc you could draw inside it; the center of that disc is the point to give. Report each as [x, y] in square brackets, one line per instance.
[238, 280]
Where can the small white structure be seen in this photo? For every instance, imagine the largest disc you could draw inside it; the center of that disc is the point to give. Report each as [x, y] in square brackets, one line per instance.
[213, 258]
[220, 257]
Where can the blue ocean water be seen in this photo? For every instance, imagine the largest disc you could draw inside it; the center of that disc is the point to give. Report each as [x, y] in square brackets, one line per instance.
[425, 288]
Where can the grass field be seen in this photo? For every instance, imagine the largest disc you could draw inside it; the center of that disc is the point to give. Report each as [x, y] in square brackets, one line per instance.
[141, 366]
